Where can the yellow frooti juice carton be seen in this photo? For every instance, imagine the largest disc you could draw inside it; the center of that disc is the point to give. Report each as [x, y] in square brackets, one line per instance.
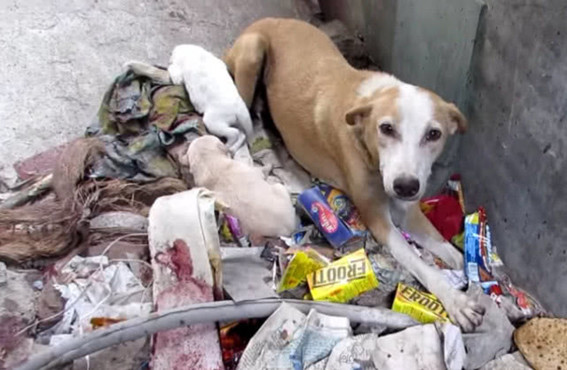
[302, 264]
[343, 279]
[423, 307]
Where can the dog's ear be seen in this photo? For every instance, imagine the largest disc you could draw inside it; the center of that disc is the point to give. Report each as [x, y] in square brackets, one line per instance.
[357, 114]
[457, 121]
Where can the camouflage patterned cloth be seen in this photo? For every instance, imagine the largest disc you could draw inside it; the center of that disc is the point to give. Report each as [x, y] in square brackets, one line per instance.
[138, 120]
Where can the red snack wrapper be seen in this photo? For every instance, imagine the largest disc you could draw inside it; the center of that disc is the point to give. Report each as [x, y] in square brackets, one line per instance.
[445, 213]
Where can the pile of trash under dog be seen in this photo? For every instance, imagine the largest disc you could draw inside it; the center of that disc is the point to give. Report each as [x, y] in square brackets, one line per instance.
[114, 258]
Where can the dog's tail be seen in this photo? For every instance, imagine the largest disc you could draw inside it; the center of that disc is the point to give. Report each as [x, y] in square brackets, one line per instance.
[245, 61]
[158, 75]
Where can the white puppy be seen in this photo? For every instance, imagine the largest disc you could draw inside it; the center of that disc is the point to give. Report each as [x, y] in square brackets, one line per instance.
[261, 208]
[212, 93]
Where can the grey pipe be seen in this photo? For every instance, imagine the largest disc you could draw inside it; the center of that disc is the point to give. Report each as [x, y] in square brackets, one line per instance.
[200, 313]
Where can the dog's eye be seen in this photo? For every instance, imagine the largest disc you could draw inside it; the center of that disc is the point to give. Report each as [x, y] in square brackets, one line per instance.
[387, 129]
[433, 135]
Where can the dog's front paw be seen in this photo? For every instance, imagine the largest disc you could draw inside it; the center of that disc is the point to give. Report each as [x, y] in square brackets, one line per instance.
[464, 310]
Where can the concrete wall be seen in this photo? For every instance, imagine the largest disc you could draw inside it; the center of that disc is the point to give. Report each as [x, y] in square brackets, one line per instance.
[513, 159]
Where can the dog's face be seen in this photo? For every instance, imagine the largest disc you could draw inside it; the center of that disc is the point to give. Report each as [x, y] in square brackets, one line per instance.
[402, 129]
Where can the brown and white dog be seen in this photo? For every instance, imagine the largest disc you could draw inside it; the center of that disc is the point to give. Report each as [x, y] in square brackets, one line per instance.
[367, 133]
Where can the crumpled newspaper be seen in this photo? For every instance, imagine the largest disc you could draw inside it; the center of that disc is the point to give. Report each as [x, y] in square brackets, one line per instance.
[291, 340]
[493, 338]
[96, 288]
[419, 347]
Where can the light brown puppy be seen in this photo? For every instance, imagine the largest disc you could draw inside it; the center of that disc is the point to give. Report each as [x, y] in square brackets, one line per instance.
[262, 208]
[365, 132]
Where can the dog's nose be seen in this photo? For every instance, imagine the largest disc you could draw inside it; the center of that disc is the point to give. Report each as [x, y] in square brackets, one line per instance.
[406, 187]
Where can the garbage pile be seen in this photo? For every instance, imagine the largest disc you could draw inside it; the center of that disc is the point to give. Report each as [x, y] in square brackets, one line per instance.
[116, 252]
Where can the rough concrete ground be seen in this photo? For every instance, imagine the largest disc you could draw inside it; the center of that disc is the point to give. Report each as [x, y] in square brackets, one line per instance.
[57, 58]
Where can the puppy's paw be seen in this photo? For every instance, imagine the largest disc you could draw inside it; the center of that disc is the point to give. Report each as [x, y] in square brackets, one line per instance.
[132, 65]
[464, 310]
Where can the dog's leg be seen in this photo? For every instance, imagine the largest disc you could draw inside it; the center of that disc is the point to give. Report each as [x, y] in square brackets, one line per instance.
[374, 210]
[156, 74]
[426, 235]
[244, 61]
[220, 128]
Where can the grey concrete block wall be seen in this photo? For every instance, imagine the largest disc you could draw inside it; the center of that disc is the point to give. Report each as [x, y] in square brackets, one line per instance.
[58, 57]
[513, 159]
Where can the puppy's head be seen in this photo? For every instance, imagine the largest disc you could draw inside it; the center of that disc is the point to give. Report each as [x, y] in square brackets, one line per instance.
[179, 54]
[402, 129]
[182, 57]
[205, 149]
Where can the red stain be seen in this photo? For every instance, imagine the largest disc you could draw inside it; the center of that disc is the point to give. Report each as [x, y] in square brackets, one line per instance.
[9, 341]
[189, 347]
[178, 259]
[181, 259]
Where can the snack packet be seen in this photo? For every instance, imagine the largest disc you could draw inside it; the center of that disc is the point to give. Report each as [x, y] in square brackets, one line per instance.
[302, 263]
[446, 210]
[344, 208]
[423, 307]
[333, 214]
[231, 232]
[343, 279]
[483, 265]
[477, 245]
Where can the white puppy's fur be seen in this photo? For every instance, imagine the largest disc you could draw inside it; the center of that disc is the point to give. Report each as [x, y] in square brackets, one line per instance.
[212, 93]
[262, 208]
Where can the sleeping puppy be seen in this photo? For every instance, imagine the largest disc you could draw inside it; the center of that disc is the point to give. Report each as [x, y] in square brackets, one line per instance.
[212, 93]
[211, 90]
[261, 208]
